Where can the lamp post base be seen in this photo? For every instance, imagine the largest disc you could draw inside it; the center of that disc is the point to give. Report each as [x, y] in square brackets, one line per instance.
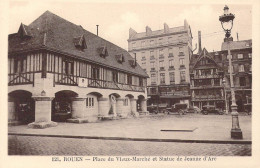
[236, 134]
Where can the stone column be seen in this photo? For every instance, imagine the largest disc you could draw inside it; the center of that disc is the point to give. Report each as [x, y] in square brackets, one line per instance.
[42, 113]
[133, 107]
[11, 110]
[103, 107]
[78, 106]
[144, 105]
[119, 107]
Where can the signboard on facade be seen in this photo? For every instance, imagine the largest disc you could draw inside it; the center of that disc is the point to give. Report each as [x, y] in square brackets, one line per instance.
[83, 82]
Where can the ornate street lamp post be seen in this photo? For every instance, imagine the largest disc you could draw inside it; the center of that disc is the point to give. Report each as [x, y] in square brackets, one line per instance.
[227, 24]
[225, 95]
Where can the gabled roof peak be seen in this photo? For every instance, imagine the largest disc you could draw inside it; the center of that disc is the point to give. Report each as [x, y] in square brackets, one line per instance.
[24, 31]
[204, 52]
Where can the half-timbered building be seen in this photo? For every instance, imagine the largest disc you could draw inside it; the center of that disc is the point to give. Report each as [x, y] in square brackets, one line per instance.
[57, 71]
[206, 77]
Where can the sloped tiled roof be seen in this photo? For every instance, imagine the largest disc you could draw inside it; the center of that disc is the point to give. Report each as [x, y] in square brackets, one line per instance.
[157, 32]
[234, 45]
[197, 57]
[56, 33]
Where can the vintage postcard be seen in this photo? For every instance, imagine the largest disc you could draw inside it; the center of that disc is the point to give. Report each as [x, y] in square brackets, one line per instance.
[129, 83]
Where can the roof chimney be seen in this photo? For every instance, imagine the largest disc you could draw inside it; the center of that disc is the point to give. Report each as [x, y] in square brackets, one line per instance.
[199, 38]
[166, 28]
[132, 32]
[148, 30]
[237, 37]
[97, 29]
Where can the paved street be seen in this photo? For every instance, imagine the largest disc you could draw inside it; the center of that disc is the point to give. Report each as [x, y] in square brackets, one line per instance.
[31, 145]
[210, 127]
[136, 136]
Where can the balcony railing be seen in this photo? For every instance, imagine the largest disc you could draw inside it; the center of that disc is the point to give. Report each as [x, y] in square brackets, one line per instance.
[21, 78]
[97, 83]
[206, 76]
[206, 86]
[63, 79]
[207, 97]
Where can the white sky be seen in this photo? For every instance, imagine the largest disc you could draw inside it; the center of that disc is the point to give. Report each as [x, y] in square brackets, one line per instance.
[115, 19]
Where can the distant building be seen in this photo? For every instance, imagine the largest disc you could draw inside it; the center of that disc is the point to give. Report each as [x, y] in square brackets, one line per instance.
[165, 56]
[208, 69]
[59, 71]
[206, 77]
[241, 52]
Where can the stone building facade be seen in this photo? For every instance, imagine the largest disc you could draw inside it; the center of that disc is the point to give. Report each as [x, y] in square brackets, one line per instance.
[58, 71]
[209, 69]
[165, 56]
[241, 52]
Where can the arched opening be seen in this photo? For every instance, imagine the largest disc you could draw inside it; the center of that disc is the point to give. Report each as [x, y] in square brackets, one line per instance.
[62, 105]
[21, 107]
[112, 101]
[139, 101]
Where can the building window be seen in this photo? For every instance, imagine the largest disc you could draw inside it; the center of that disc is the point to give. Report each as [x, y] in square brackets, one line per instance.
[115, 76]
[162, 78]
[161, 64]
[20, 65]
[182, 74]
[249, 55]
[160, 40]
[169, 38]
[250, 68]
[171, 63]
[129, 79]
[95, 73]
[242, 81]
[181, 51]
[241, 68]
[143, 43]
[133, 45]
[152, 55]
[240, 56]
[68, 67]
[181, 61]
[143, 56]
[172, 77]
[231, 56]
[90, 102]
[232, 69]
[153, 78]
[160, 53]
[141, 83]
[152, 64]
[152, 42]
[170, 52]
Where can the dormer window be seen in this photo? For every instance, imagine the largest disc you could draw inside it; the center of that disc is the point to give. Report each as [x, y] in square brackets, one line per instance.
[103, 52]
[132, 63]
[80, 42]
[24, 31]
[120, 58]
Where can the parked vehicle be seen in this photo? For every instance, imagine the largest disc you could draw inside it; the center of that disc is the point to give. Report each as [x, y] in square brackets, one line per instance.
[178, 108]
[248, 108]
[152, 109]
[194, 109]
[211, 109]
[163, 107]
